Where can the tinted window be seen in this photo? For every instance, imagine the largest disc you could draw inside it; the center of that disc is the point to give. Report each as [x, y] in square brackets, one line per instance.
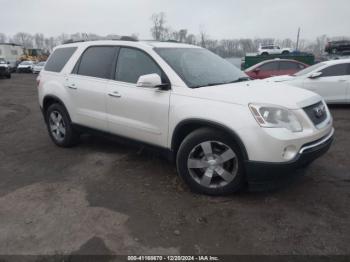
[97, 61]
[284, 65]
[335, 70]
[133, 63]
[269, 66]
[59, 58]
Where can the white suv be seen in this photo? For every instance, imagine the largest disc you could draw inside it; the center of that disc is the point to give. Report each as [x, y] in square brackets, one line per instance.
[222, 129]
[273, 50]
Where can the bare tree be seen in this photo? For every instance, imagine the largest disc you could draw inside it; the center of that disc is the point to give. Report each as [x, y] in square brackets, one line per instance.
[39, 40]
[159, 30]
[24, 39]
[3, 38]
[203, 37]
[191, 39]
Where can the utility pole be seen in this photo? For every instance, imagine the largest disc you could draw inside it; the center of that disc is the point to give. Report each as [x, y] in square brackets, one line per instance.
[297, 47]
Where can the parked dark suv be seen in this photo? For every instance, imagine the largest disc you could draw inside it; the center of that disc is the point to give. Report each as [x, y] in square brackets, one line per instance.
[337, 46]
[5, 69]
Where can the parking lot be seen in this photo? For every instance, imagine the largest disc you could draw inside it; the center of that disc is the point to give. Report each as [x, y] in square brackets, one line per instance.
[104, 197]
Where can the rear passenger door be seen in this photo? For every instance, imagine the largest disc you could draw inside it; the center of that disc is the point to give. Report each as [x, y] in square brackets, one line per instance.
[137, 112]
[267, 70]
[87, 85]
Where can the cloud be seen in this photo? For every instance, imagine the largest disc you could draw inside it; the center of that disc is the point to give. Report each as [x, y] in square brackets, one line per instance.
[221, 19]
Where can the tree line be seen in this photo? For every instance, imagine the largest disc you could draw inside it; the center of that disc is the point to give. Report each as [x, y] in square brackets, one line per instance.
[161, 31]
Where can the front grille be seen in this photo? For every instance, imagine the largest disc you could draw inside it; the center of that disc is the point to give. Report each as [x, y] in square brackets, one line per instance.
[316, 112]
[2, 69]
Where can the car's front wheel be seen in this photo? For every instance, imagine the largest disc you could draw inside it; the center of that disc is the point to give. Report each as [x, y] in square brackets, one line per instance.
[210, 162]
[59, 126]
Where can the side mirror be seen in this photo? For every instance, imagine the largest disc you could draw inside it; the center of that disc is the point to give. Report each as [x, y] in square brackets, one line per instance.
[315, 75]
[150, 81]
[256, 70]
[8, 62]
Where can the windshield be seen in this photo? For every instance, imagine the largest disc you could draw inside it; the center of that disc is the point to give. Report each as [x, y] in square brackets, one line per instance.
[41, 64]
[2, 61]
[309, 69]
[199, 67]
[26, 63]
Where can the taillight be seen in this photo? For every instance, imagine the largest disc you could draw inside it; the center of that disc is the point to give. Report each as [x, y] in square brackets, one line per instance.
[38, 81]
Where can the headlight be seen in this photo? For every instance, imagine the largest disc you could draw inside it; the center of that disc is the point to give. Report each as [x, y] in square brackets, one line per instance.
[275, 117]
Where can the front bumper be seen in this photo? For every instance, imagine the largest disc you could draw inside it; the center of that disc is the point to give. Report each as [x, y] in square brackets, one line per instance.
[4, 71]
[269, 175]
[24, 69]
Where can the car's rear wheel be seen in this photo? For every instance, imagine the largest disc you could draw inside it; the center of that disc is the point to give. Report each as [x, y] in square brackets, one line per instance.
[59, 126]
[8, 76]
[210, 162]
[265, 53]
[285, 52]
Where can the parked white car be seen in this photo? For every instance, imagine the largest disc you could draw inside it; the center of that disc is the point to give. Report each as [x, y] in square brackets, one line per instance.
[273, 50]
[330, 79]
[38, 67]
[25, 67]
[222, 129]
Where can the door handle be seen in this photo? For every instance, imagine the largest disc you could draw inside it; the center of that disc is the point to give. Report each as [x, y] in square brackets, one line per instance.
[342, 80]
[114, 94]
[72, 86]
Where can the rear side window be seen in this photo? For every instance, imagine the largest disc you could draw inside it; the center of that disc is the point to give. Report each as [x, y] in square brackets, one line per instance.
[269, 66]
[97, 61]
[133, 63]
[285, 65]
[335, 70]
[59, 58]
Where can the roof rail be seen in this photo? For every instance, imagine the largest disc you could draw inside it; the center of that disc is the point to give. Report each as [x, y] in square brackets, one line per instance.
[117, 38]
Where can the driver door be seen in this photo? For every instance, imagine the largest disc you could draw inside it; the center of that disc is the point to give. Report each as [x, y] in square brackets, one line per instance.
[137, 112]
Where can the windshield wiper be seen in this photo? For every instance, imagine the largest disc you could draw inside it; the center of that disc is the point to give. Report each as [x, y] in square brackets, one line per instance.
[241, 79]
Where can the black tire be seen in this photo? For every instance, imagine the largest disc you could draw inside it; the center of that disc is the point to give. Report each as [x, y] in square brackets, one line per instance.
[265, 53]
[71, 136]
[285, 53]
[191, 143]
[8, 76]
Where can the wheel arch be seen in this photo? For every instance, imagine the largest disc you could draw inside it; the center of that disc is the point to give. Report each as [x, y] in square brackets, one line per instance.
[52, 99]
[187, 126]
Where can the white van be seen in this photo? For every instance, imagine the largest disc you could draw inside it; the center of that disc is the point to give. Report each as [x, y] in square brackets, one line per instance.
[11, 53]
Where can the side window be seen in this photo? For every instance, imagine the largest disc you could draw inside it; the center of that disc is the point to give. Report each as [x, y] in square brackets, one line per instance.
[269, 66]
[285, 65]
[133, 63]
[59, 58]
[335, 70]
[97, 61]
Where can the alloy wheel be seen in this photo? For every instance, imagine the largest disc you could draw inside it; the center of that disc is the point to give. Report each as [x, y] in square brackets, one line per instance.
[57, 126]
[212, 164]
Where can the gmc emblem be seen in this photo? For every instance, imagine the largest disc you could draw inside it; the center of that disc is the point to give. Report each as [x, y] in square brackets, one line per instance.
[319, 111]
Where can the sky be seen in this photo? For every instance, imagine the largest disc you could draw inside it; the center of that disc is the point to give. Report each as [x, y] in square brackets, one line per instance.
[218, 18]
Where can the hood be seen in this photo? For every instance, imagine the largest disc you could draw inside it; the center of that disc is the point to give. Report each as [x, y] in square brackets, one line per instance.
[259, 91]
[281, 78]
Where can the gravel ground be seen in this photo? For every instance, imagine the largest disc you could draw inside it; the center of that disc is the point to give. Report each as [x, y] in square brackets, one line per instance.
[103, 197]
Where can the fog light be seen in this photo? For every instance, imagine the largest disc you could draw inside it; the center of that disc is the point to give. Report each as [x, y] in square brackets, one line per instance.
[289, 152]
